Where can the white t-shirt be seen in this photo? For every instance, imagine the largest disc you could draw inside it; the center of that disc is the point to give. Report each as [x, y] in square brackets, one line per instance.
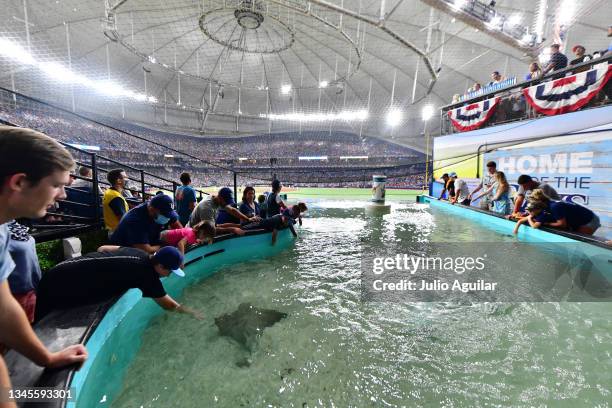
[205, 211]
[461, 190]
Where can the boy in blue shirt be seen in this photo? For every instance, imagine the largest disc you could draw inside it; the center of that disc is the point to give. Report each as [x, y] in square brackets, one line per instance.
[185, 199]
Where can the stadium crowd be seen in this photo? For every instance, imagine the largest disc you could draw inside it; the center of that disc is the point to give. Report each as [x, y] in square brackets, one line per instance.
[73, 129]
[348, 160]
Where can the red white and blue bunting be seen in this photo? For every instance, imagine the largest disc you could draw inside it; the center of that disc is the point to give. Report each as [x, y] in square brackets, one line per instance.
[570, 93]
[473, 116]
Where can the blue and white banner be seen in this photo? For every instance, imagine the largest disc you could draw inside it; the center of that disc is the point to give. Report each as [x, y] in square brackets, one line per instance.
[570, 93]
[489, 88]
[473, 116]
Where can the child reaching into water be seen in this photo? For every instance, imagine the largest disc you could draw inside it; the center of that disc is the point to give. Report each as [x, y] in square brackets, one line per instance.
[273, 224]
[295, 212]
[201, 232]
[536, 215]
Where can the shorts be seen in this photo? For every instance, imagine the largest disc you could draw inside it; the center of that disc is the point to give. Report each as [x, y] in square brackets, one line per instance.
[595, 223]
[28, 302]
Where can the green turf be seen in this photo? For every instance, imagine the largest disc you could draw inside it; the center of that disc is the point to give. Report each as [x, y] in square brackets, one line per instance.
[324, 192]
[347, 192]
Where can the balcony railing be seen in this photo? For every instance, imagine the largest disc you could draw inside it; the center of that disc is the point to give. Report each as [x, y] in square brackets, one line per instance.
[513, 107]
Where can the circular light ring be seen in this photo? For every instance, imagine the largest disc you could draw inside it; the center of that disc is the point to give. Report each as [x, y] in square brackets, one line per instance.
[122, 39]
[238, 14]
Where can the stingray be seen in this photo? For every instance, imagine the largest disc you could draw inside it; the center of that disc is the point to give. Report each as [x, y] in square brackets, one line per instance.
[247, 323]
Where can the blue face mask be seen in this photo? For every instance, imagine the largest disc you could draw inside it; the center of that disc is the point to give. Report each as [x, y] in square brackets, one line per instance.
[161, 220]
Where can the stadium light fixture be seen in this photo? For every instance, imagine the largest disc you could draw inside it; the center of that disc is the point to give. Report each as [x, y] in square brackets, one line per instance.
[323, 84]
[428, 112]
[286, 89]
[59, 72]
[11, 50]
[346, 116]
[394, 117]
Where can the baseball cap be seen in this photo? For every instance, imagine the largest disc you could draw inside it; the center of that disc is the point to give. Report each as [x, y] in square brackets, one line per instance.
[453, 174]
[170, 258]
[226, 194]
[164, 204]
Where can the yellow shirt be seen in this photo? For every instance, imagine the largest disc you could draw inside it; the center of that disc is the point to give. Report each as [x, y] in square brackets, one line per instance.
[110, 219]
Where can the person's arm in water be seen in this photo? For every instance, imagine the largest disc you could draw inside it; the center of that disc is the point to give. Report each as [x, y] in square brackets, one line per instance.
[443, 191]
[518, 224]
[167, 303]
[274, 234]
[16, 332]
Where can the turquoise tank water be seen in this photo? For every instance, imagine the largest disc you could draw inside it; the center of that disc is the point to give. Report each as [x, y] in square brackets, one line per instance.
[333, 349]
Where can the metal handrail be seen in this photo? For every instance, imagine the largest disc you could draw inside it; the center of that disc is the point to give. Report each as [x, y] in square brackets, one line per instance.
[527, 83]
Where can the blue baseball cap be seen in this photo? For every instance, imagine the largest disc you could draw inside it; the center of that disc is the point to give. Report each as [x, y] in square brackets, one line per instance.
[227, 195]
[164, 204]
[170, 258]
[453, 174]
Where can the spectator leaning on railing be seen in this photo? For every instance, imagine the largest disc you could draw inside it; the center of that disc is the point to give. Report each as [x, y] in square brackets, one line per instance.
[557, 60]
[535, 71]
[581, 55]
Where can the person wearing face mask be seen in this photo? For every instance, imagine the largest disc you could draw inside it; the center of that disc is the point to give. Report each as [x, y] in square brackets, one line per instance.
[114, 205]
[141, 226]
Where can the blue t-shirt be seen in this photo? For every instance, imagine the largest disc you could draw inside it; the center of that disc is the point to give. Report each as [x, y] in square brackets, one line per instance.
[184, 196]
[136, 227]
[544, 217]
[248, 210]
[575, 215]
[223, 217]
[6, 260]
[273, 204]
